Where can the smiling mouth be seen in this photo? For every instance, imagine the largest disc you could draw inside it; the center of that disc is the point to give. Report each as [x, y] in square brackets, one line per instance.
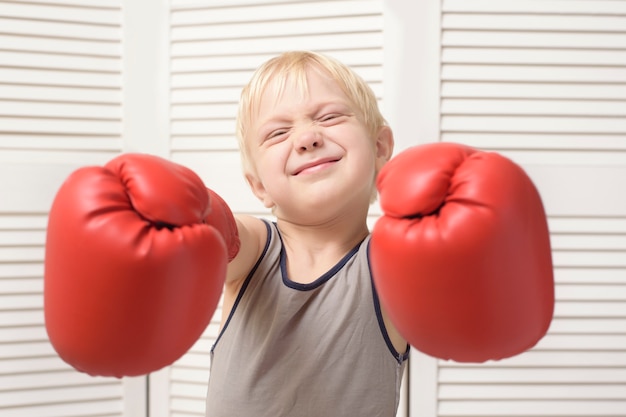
[316, 166]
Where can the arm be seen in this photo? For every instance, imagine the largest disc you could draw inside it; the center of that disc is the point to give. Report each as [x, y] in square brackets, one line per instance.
[461, 257]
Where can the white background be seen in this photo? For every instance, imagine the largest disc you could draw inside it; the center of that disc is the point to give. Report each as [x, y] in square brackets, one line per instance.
[542, 81]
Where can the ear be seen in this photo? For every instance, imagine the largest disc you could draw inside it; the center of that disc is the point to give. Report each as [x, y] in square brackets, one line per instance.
[259, 190]
[384, 146]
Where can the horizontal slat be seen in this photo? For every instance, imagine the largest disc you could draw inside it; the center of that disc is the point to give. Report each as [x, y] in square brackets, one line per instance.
[97, 408]
[195, 360]
[543, 6]
[590, 325]
[572, 292]
[560, 144]
[589, 259]
[60, 30]
[22, 238]
[533, 107]
[210, 79]
[204, 142]
[594, 342]
[61, 126]
[60, 78]
[48, 141]
[31, 365]
[64, 378]
[195, 4]
[553, 359]
[533, 90]
[17, 270]
[595, 276]
[370, 74]
[188, 406]
[532, 392]
[528, 56]
[109, 96]
[60, 110]
[590, 225]
[48, 396]
[29, 60]
[275, 12]
[551, 124]
[21, 318]
[23, 222]
[206, 95]
[543, 375]
[525, 73]
[60, 46]
[203, 127]
[204, 111]
[299, 27]
[532, 22]
[20, 286]
[541, 40]
[96, 4]
[184, 389]
[605, 309]
[354, 58]
[25, 350]
[276, 45]
[592, 243]
[23, 254]
[110, 16]
[606, 408]
[194, 375]
[29, 203]
[26, 333]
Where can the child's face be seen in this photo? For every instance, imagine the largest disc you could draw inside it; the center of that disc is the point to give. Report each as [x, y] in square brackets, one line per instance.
[314, 157]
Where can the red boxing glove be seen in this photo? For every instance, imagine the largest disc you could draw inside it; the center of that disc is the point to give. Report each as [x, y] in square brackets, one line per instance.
[461, 257]
[136, 257]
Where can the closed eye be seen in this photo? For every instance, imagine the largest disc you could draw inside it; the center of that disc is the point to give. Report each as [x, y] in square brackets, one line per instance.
[330, 118]
[276, 133]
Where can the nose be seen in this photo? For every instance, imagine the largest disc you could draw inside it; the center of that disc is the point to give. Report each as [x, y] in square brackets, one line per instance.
[308, 139]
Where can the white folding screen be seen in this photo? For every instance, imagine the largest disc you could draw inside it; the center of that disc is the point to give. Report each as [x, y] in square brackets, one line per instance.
[60, 107]
[214, 48]
[543, 82]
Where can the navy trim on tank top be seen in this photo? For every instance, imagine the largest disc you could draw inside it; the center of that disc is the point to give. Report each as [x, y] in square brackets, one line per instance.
[319, 281]
[245, 283]
[400, 357]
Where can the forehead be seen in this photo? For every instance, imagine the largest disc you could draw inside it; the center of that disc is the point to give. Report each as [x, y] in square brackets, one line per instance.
[307, 85]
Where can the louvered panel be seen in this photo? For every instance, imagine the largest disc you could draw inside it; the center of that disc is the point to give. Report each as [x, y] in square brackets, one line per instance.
[60, 73]
[579, 368]
[189, 376]
[34, 381]
[215, 49]
[60, 106]
[517, 69]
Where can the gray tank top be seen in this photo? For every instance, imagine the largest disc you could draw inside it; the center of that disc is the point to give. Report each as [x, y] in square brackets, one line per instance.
[305, 350]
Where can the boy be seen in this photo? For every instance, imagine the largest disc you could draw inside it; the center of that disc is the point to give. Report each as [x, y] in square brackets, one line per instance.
[303, 333]
[460, 260]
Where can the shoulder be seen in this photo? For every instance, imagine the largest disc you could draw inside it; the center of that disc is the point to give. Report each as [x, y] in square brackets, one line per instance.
[253, 233]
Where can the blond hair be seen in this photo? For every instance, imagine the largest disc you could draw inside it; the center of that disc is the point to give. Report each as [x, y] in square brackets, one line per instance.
[292, 66]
